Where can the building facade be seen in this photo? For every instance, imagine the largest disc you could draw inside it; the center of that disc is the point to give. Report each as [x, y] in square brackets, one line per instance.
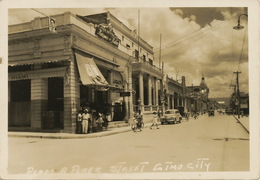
[62, 64]
[53, 75]
[199, 97]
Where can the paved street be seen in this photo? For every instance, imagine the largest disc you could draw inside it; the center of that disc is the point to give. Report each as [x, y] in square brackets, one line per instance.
[207, 144]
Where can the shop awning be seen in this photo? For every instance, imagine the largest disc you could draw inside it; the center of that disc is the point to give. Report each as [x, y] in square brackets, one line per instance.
[89, 72]
[38, 60]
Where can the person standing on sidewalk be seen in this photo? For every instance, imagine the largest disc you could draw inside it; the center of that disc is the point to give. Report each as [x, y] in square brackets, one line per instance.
[79, 122]
[85, 119]
[155, 120]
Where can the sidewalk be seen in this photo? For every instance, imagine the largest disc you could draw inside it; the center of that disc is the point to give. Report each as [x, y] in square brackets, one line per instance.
[109, 131]
[244, 121]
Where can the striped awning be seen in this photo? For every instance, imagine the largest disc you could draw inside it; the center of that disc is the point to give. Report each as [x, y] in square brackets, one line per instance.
[38, 60]
[89, 72]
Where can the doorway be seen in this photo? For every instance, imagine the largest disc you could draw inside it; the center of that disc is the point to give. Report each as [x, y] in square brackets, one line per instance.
[20, 105]
[54, 116]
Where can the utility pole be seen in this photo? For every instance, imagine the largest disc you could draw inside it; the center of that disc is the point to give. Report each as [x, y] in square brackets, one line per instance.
[139, 35]
[160, 51]
[238, 94]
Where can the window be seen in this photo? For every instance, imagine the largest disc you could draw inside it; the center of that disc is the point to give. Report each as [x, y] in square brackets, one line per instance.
[128, 46]
[123, 38]
[144, 57]
[21, 90]
[136, 54]
[150, 61]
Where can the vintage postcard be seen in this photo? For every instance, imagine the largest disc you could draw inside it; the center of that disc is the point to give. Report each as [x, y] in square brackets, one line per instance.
[130, 89]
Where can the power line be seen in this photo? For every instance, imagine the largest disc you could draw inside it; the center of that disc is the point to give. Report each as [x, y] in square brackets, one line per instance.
[215, 28]
[174, 51]
[191, 34]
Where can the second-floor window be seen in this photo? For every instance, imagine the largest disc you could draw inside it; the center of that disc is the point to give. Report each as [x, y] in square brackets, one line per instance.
[144, 57]
[136, 54]
[150, 61]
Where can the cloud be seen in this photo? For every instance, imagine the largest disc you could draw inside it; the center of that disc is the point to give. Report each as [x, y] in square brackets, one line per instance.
[214, 49]
[178, 12]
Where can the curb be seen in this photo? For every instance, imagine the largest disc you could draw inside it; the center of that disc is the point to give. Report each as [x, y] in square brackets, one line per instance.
[74, 136]
[241, 124]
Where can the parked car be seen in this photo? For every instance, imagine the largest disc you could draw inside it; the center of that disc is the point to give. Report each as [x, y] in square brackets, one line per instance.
[211, 112]
[171, 116]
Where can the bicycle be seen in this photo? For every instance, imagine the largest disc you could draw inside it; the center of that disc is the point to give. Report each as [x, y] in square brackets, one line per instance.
[137, 125]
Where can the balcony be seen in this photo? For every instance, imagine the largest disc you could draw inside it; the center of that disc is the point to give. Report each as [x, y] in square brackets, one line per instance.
[147, 67]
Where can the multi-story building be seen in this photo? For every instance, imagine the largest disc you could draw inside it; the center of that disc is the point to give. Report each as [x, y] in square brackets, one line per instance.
[146, 77]
[63, 63]
[174, 93]
[199, 96]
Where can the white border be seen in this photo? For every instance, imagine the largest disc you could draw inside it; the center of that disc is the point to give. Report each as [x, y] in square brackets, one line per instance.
[254, 78]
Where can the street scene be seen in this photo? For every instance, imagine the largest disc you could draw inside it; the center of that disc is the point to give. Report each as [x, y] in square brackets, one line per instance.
[206, 144]
[117, 91]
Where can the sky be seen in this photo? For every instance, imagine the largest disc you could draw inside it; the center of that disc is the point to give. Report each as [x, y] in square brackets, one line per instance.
[194, 41]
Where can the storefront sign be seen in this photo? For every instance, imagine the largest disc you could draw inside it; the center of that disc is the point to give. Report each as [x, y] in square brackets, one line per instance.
[117, 79]
[17, 77]
[36, 74]
[123, 94]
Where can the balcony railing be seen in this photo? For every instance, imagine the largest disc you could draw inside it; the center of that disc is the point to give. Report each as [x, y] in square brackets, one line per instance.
[148, 64]
[147, 108]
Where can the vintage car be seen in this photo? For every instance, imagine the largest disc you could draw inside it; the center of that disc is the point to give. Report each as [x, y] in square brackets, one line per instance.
[211, 112]
[171, 116]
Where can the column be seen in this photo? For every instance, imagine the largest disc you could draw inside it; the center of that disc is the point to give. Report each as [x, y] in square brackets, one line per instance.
[156, 91]
[141, 91]
[150, 92]
[130, 98]
[168, 102]
[172, 105]
[39, 98]
[71, 99]
[178, 100]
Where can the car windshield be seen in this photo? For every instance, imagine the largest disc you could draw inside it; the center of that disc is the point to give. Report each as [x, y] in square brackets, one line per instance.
[168, 112]
[171, 112]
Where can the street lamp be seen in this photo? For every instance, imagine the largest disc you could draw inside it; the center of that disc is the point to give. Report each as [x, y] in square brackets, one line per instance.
[239, 27]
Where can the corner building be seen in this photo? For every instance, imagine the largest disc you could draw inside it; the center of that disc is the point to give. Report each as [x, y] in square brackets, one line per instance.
[87, 61]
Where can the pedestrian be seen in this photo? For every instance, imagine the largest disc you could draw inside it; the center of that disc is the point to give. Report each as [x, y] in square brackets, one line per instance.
[155, 120]
[79, 123]
[85, 119]
[140, 119]
[196, 115]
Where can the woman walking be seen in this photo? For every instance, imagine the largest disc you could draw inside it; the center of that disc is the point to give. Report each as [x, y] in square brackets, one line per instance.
[155, 120]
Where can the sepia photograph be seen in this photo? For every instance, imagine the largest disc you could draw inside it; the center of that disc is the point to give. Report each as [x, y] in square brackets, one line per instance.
[130, 91]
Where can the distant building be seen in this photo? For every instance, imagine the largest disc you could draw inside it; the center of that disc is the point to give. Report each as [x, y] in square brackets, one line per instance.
[199, 95]
[244, 102]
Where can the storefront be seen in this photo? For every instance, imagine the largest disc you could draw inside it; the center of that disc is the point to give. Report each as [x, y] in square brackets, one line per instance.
[52, 76]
